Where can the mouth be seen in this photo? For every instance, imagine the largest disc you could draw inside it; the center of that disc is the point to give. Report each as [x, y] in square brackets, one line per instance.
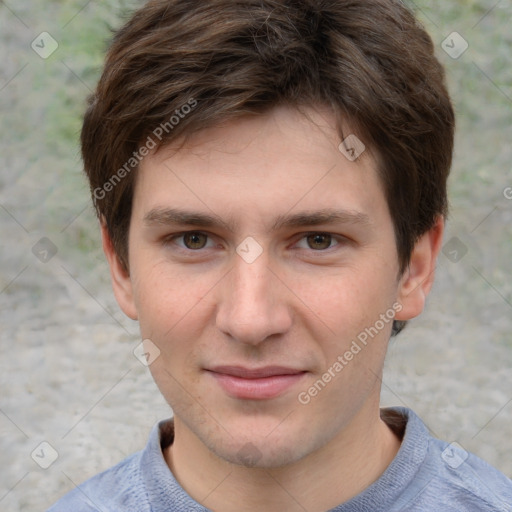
[255, 383]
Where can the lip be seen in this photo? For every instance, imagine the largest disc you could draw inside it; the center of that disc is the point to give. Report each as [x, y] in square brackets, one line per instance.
[255, 383]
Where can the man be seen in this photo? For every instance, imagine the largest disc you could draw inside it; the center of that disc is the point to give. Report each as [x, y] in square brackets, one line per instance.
[270, 177]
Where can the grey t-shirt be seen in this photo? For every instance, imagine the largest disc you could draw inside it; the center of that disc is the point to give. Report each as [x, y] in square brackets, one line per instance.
[427, 475]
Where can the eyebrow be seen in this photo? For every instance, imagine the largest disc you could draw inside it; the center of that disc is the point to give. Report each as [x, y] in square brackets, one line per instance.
[173, 216]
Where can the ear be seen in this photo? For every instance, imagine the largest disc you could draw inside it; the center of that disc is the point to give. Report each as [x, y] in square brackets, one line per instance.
[418, 278]
[121, 281]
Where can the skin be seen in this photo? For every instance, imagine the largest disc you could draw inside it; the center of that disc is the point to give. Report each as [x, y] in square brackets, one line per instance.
[299, 304]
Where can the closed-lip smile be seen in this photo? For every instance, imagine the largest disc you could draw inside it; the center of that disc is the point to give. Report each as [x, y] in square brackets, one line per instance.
[255, 383]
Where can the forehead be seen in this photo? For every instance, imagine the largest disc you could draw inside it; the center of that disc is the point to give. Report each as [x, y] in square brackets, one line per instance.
[281, 161]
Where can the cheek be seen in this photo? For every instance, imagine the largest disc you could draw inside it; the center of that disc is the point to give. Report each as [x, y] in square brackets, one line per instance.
[176, 312]
[173, 313]
[168, 300]
[346, 299]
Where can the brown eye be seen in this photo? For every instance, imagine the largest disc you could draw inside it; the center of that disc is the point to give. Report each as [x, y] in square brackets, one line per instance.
[319, 241]
[195, 240]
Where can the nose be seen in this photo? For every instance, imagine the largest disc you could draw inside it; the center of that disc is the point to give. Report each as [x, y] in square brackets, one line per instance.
[253, 304]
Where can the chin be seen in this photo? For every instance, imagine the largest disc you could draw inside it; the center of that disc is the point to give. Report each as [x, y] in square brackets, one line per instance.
[261, 455]
[263, 451]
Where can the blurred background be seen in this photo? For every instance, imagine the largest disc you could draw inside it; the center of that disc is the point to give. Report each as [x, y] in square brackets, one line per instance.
[74, 399]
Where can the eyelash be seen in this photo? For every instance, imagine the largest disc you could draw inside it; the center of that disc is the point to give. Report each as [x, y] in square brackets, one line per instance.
[339, 239]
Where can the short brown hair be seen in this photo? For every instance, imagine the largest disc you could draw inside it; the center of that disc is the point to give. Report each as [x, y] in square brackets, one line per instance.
[370, 61]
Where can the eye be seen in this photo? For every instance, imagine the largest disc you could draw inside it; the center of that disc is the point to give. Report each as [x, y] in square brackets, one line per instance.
[318, 241]
[195, 240]
[191, 240]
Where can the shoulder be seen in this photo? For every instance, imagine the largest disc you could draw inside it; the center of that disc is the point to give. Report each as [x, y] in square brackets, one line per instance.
[468, 480]
[120, 485]
[452, 479]
[136, 483]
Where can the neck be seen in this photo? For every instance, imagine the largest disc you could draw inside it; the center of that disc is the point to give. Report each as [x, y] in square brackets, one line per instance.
[344, 467]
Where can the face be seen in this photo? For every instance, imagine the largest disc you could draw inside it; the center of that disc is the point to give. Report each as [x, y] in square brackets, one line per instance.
[264, 269]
